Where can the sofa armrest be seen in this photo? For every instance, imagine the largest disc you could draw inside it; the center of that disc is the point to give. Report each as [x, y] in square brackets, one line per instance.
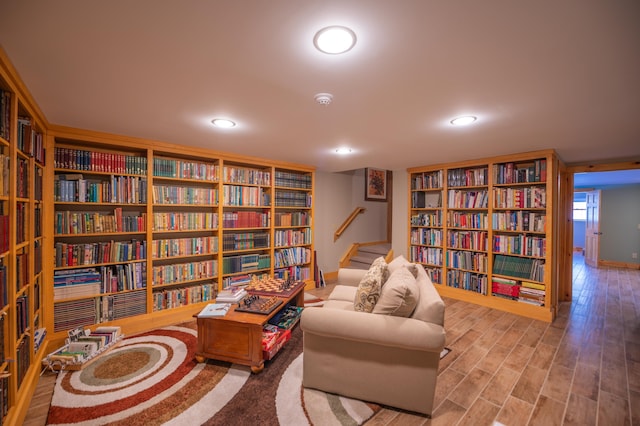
[350, 277]
[384, 330]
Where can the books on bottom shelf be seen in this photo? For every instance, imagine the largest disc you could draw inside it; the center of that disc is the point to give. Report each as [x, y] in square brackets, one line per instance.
[82, 347]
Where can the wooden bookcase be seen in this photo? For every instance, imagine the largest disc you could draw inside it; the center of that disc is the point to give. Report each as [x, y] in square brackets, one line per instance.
[22, 171]
[485, 231]
[190, 222]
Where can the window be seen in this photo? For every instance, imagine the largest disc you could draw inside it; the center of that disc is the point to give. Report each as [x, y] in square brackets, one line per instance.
[579, 210]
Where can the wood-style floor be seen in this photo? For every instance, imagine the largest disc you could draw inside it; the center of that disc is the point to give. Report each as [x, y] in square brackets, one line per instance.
[583, 369]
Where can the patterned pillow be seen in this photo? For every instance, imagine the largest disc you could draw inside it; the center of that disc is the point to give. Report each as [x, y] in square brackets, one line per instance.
[370, 286]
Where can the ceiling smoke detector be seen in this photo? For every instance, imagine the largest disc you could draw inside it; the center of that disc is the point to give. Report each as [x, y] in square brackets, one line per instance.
[324, 98]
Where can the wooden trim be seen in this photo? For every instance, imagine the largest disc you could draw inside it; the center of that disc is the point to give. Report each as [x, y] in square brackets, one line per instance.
[616, 264]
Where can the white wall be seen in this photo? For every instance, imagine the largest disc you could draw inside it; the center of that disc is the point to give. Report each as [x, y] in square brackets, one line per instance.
[336, 196]
[400, 212]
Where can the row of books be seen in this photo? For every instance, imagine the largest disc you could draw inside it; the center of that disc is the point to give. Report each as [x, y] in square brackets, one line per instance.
[3, 284]
[292, 199]
[468, 220]
[293, 180]
[292, 237]
[468, 177]
[470, 240]
[427, 180]
[471, 261]
[246, 219]
[30, 140]
[21, 212]
[426, 236]
[83, 345]
[5, 115]
[95, 161]
[245, 263]
[22, 314]
[184, 272]
[534, 197]
[22, 270]
[183, 169]
[69, 254]
[509, 173]
[23, 358]
[459, 199]
[84, 312]
[117, 189]
[4, 173]
[295, 272]
[250, 196]
[470, 281]
[427, 219]
[167, 194]
[83, 282]
[523, 245]
[176, 297]
[522, 291]
[292, 219]
[519, 221]
[426, 255]
[4, 235]
[73, 223]
[161, 249]
[291, 256]
[521, 267]
[421, 200]
[232, 174]
[22, 178]
[245, 240]
[184, 221]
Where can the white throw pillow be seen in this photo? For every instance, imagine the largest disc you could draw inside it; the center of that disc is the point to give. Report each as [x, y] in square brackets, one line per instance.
[399, 295]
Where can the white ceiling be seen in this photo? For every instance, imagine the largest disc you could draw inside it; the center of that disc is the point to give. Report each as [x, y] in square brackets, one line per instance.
[538, 74]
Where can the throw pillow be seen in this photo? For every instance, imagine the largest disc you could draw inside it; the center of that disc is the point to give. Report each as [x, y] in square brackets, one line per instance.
[369, 287]
[398, 263]
[399, 295]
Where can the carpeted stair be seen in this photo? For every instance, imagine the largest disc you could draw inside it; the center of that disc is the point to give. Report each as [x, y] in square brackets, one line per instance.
[367, 254]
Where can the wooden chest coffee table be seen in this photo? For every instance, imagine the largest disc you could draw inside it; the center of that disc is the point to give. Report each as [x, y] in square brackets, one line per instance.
[237, 336]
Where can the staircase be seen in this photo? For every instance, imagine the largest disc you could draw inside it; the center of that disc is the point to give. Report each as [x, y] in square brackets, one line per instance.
[366, 254]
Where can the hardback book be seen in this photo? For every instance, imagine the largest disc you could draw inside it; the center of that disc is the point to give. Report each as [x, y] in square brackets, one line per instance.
[213, 310]
[231, 296]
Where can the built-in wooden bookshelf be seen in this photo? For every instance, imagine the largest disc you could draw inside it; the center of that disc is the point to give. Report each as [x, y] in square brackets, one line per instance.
[293, 232]
[483, 230]
[22, 170]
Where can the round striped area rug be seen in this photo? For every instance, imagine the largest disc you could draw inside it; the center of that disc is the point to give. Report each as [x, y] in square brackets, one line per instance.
[153, 379]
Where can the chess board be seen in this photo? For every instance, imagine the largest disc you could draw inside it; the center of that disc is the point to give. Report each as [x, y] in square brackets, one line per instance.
[273, 287]
[260, 305]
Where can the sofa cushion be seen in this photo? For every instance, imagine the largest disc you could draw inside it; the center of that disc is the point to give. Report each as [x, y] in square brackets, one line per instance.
[399, 295]
[398, 263]
[369, 287]
[344, 293]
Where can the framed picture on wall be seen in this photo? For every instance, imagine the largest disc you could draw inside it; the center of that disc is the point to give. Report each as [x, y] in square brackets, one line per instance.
[375, 184]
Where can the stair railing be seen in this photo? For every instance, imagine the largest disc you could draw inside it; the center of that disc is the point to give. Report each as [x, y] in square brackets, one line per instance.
[347, 222]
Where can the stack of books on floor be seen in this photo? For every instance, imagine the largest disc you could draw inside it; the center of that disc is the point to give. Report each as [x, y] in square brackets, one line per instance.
[82, 346]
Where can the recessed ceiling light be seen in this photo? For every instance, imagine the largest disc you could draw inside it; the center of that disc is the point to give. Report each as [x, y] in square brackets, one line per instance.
[223, 123]
[464, 120]
[334, 40]
[323, 98]
[343, 151]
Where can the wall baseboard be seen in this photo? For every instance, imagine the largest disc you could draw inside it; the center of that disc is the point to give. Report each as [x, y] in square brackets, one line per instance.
[615, 264]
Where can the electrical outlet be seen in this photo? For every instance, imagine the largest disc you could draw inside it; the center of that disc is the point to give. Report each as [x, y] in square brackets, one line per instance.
[634, 255]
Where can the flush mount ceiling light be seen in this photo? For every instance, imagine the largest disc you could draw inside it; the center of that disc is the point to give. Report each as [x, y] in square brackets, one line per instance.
[343, 151]
[463, 120]
[223, 123]
[334, 40]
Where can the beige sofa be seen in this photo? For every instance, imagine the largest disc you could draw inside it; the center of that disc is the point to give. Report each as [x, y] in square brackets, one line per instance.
[385, 359]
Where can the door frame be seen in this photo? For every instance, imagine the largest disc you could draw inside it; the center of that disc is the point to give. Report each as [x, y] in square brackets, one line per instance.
[566, 271]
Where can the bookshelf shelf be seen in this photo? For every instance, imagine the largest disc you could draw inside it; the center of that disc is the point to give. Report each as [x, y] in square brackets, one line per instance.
[496, 245]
